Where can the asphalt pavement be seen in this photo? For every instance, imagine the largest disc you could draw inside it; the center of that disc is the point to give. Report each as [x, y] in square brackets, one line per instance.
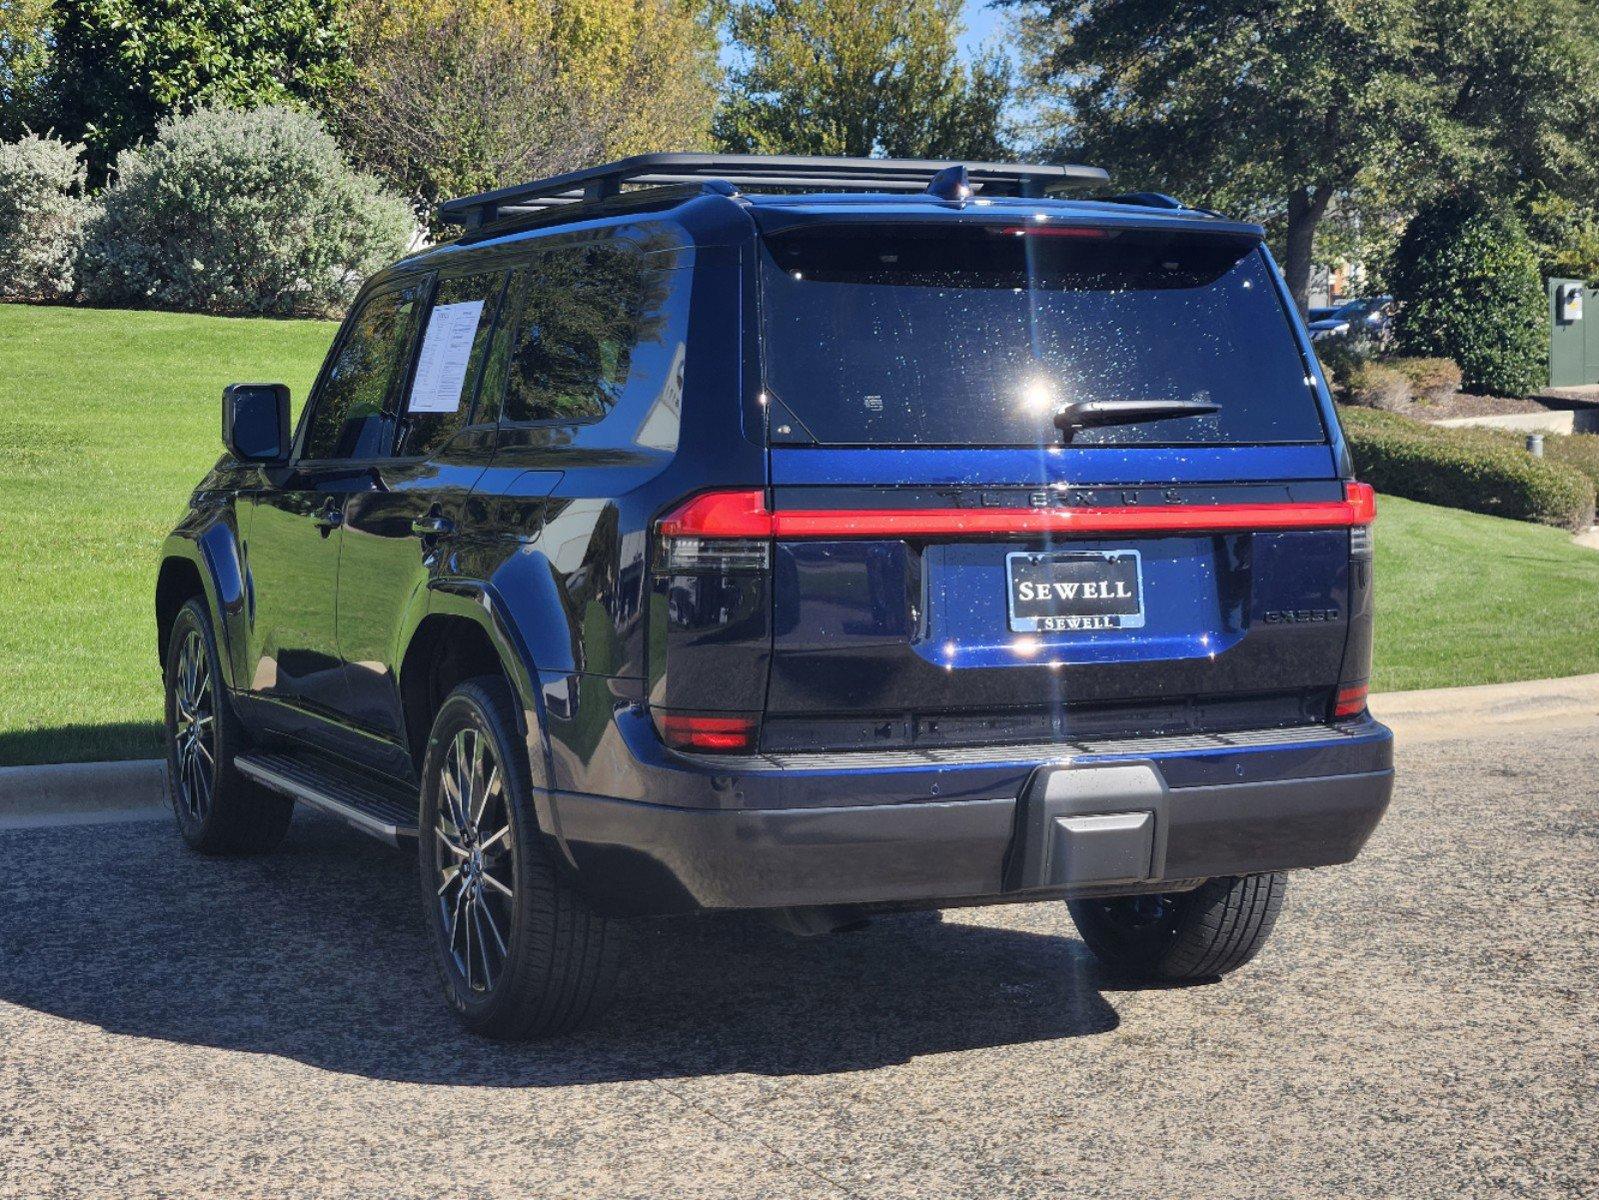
[1424, 1023]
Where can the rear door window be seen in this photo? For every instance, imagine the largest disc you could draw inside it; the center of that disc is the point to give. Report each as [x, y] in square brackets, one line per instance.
[976, 335]
[352, 414]
[455, 342]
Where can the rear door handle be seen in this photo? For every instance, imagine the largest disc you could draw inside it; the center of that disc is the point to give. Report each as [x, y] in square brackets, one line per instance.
[432, 525]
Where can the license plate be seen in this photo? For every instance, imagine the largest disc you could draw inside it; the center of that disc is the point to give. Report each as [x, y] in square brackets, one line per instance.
[1075, 590]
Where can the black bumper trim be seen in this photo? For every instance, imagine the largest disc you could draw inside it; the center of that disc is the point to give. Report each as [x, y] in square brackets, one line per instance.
[651, 859]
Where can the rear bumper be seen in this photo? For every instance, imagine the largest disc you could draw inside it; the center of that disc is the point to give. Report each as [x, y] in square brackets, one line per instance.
[1069, 824]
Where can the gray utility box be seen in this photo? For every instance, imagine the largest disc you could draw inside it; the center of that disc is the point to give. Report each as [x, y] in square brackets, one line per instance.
[1090, 827]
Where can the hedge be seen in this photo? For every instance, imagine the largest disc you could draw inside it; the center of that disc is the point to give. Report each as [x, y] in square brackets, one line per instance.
[1579, 450]
[1466, 278]
[1476, 469]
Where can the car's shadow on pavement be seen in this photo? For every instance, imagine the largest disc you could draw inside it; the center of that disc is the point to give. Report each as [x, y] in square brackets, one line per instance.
[318, 953]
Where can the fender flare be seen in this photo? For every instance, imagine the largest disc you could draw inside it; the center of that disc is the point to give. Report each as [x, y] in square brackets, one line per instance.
[213, 551]
[479, 603]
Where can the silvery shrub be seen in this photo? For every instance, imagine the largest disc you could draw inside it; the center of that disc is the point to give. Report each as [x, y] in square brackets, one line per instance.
[240, 212]
[42, 214]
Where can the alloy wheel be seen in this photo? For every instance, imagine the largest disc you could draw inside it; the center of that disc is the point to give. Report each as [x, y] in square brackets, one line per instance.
[475, 860]
[194, 726]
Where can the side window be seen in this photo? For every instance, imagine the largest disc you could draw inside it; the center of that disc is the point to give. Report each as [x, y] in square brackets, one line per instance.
[455, 340]
[584, 310]
[351, 416]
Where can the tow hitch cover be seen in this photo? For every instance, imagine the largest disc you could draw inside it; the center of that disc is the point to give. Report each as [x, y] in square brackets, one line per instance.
[1103, 849]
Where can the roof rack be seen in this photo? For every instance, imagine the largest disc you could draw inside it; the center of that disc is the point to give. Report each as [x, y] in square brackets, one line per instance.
[745, 171]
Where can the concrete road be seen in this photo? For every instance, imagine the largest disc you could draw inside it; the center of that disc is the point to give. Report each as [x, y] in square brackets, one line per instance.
[1425, 1023]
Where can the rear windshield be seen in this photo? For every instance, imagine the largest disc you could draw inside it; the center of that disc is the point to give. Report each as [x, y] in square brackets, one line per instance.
[976, 335]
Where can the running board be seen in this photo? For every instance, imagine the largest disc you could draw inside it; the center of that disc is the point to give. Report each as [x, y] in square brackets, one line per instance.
[381, 810]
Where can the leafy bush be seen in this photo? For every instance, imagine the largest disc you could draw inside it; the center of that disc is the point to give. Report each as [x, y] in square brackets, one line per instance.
[1433, 380]
[41, 217]
[240, 212]
[1377, 385]
[1467, 279]
[1475, 469]
[1340, 357]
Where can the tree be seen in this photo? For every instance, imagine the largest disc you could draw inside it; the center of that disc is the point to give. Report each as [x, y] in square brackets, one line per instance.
[1270, 109]
[24, 63]
[1274, 110]
[859, 77]
[459, 96]
[120, 66]
[1467, 280]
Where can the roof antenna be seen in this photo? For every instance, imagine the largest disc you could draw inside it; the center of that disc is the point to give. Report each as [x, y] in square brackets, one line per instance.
[951, 184]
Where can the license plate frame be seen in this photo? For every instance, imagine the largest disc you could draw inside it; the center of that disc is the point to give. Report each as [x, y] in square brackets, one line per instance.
[1078, 622]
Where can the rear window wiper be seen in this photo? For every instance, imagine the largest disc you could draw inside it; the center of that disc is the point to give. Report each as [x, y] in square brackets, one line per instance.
[1082, 414]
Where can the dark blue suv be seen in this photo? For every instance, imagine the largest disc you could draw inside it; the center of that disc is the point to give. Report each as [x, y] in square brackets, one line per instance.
[818, 536]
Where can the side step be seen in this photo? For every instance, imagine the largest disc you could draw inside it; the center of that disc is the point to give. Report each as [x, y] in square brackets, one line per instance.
[383, 810]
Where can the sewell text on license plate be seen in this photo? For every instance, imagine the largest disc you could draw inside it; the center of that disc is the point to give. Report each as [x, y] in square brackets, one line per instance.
[1052, 591]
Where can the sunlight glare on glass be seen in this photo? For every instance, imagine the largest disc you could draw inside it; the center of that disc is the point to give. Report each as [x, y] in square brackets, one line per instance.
[1037, 395]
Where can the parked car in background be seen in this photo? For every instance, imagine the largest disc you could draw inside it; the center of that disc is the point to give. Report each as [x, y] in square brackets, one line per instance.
[918, 540]
[1366, 317]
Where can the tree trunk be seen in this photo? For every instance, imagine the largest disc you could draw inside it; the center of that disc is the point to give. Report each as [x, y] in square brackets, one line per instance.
[1306, 207]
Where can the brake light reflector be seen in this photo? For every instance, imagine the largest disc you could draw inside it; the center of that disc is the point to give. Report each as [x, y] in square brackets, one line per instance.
[1085, 232]
[1351, 700]
[694, 731]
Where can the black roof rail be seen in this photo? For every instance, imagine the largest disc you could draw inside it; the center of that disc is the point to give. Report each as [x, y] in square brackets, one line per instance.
[727, 172]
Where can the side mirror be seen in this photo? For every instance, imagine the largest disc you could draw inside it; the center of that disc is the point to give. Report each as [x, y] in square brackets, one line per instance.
[255, 421]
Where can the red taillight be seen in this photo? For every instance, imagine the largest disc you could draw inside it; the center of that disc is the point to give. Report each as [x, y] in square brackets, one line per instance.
[1362, 501]
[693, 731]
[715, 533]
[720, 529]
[719, 515]
[1350, 701]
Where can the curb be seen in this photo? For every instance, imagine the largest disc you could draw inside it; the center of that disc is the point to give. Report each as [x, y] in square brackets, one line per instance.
[1436, 714]
[82, 793]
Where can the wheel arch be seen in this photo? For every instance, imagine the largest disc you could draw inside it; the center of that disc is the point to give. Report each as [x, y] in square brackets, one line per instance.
[178, 581]
[203, 562]
[463, 635]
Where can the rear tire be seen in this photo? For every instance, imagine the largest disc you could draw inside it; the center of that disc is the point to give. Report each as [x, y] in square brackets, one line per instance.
[520, 953]
[1179, 937]
[218, 809]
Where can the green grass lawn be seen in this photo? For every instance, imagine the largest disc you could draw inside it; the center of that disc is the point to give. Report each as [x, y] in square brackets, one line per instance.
[1465, 599]
[108, 419]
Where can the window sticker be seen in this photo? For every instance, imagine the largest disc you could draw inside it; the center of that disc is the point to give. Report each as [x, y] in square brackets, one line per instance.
[446, 352]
